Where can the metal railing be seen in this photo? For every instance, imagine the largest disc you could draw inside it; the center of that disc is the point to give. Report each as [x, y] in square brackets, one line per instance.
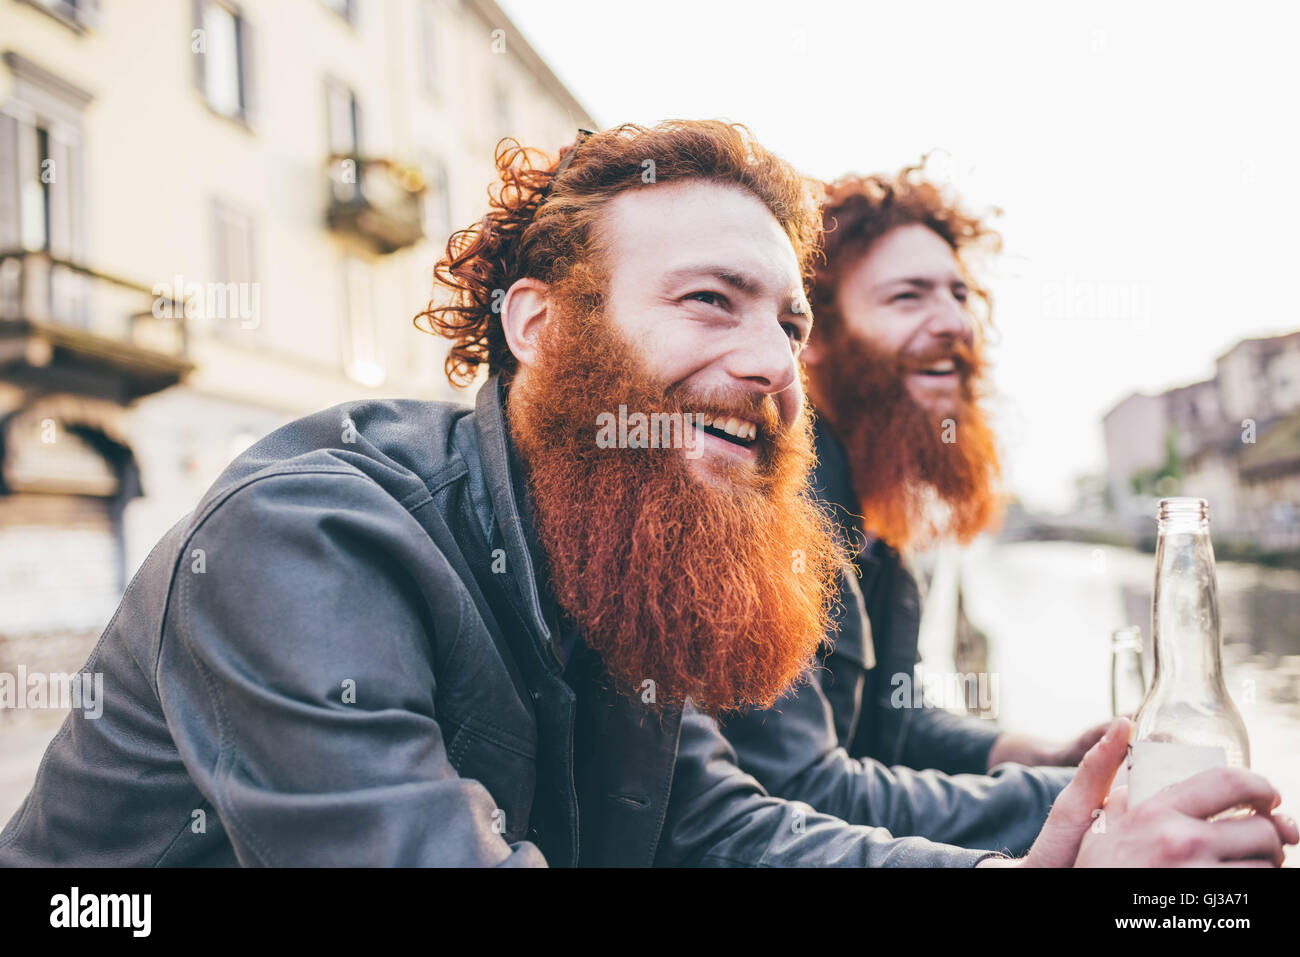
[39, 288]
[377, 199]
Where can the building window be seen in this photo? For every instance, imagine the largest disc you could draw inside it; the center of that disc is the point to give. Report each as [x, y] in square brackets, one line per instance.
[363, 357]
[77, 14]
[42, 189]
[233, 302]
[343, 118]
[34, 209]
[222, 46]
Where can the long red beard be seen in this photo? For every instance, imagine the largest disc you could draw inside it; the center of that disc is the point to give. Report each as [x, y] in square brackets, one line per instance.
[913, 487]
[716, 593]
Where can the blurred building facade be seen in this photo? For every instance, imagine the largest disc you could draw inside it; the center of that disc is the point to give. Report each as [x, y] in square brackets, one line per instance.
[1233, 439]
[215, 217]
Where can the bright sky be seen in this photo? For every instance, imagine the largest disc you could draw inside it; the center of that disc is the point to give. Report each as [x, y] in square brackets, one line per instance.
[1144, 155]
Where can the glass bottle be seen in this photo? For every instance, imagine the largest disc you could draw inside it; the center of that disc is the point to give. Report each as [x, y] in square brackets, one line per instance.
[1187, 723]
[1128, 686]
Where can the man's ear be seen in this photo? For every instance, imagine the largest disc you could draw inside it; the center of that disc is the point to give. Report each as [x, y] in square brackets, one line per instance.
[523, 317]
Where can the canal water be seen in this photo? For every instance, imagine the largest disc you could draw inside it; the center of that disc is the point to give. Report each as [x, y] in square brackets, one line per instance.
[1048, 610]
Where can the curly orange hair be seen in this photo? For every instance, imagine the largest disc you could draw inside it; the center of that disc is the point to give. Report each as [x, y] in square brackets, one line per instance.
[857, 210]
[541, 225]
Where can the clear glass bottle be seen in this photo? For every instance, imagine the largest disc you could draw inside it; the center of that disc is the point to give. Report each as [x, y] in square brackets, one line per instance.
[1128, 686]
[1187, 723]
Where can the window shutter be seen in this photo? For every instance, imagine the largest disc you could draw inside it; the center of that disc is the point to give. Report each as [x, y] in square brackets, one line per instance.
[200, 59]
[9, 230]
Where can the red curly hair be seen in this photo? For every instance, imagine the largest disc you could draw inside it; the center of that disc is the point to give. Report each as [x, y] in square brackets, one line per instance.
[857, 210]
[542, 226]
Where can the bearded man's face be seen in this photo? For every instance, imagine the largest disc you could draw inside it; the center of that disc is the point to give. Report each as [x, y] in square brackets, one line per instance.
[901, 380]
[703, 567]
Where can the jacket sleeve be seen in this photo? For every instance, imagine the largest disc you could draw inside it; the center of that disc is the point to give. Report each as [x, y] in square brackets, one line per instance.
[918, 734]
[720, 816]
[793, 752]
[953, 743]
[297, 673]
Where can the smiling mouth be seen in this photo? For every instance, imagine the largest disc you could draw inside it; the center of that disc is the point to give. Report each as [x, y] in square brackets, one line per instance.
[944, 367]
[737, 431]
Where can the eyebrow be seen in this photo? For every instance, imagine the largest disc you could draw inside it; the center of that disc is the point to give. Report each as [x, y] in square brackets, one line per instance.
[740, 281]
[923, 282]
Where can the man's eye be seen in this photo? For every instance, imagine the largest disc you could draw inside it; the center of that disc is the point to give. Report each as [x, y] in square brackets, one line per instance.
[709, 298]
[902, 295]
[795, 332]
[961, 294]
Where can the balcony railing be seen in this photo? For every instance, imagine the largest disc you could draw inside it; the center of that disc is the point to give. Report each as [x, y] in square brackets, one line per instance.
[377, 200]
[67, 327]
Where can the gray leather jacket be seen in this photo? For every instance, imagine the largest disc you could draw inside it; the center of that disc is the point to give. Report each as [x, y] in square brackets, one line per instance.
[327, 663]
[839, 743]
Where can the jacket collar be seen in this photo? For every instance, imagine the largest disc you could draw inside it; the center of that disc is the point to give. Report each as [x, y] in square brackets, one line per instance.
[510, 507]
[832, 483]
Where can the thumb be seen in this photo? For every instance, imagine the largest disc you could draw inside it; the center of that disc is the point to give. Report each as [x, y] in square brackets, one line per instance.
[1077, 806]
[1097, 770]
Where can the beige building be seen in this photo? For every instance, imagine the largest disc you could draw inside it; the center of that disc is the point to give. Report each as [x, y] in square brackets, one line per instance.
[1233, 438]
[217, 216]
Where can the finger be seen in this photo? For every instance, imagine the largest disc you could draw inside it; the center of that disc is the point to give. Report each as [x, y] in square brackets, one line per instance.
[1240, 838]
[1077, 806]
[1205, 794]
[1087, 790]
[1285, 825]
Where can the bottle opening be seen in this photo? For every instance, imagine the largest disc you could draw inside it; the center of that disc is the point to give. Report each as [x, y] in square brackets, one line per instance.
[1184, 510]
[1130, 636]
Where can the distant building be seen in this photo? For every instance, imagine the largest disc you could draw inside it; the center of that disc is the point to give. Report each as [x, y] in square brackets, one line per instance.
[1270, 483]
[1229, 439]
[216, 216]
[1259, 379]
[1135, 431]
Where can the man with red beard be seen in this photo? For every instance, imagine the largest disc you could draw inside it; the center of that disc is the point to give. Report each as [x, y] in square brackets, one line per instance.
[906, 458]
[404, 632]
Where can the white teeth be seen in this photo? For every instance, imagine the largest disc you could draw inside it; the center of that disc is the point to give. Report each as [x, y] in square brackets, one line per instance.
[947, 365]
[740, 428]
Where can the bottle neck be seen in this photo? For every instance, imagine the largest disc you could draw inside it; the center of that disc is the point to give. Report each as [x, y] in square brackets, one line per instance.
[1185, 613]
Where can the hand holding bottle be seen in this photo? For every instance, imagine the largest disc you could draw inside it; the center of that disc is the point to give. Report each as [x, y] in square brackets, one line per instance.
[1088, 827]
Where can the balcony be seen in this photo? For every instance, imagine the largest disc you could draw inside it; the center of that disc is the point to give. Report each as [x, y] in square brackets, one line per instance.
[67, 328]
[376, 200]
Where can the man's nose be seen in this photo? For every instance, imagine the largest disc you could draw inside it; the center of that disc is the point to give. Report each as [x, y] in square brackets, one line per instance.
[765, 358]
[950, 319]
